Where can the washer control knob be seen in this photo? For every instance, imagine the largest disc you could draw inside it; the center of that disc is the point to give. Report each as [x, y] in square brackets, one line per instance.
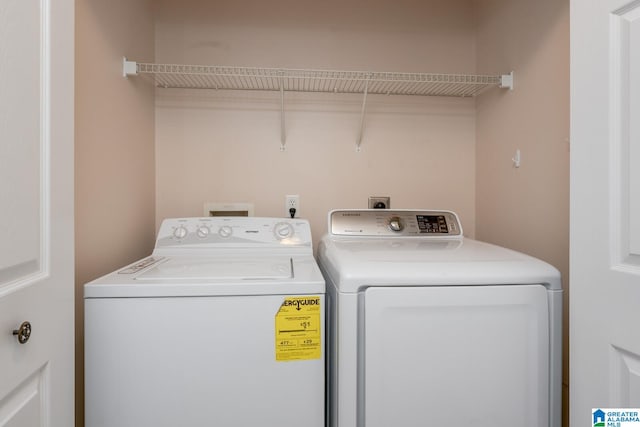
[225, 231]
[203, 231]
[283, 230]
[180, 232]
[395, 224]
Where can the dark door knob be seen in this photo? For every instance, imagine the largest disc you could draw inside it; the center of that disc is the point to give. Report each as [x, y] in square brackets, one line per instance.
[23, 333]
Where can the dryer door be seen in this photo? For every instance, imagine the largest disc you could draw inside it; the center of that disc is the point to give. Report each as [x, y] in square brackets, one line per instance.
[464, 355]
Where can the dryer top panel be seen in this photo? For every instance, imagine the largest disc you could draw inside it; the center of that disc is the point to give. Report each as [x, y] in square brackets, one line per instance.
[362, 249]
[354, 263]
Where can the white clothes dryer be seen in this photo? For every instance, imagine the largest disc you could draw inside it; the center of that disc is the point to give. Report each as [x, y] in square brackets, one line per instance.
[221, 326]
[428, 328]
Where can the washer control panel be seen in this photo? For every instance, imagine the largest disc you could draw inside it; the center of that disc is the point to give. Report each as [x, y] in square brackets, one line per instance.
[233, 231]
[387, 222]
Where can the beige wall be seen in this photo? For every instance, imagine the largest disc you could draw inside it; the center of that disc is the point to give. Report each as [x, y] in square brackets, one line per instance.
[114, 140]
[138, 162]
[221, 146]
[525, 208]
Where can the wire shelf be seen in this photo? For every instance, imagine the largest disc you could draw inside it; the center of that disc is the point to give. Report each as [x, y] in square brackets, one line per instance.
[278, 79]
[285, 80]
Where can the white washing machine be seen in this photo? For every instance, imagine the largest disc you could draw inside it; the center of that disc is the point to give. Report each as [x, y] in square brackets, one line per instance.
[221, 326]
[427, 328]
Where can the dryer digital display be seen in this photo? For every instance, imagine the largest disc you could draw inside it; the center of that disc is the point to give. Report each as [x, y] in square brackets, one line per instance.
[432, 224]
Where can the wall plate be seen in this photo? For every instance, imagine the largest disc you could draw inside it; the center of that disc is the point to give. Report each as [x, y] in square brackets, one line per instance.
[379, 202]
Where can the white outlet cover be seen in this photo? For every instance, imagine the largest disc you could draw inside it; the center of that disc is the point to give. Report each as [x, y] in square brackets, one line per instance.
[291, 200]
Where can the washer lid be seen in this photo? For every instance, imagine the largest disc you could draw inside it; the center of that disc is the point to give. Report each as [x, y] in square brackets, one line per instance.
[187, 276]
[208, 268]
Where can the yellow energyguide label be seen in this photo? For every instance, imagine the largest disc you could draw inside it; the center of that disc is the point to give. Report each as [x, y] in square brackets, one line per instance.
[298, 329]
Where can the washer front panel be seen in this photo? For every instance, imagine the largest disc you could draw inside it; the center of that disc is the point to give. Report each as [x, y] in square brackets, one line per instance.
[205, 361]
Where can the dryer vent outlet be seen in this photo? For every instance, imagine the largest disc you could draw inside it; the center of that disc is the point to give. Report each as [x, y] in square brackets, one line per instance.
[379, 202]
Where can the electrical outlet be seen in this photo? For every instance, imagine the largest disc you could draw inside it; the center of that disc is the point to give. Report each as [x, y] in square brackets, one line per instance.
[291, 202]
[379, 202]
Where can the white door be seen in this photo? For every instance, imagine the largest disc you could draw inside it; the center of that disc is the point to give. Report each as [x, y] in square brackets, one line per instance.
[605, 207]
[36, 212]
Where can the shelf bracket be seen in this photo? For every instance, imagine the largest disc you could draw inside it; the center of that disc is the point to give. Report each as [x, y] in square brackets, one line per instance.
[129, 68]
[283, 135]
[364, 106]
[506, 81]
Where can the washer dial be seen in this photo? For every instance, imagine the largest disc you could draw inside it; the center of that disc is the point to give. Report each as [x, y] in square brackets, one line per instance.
[225, 231]
[203, 231]
[283, 230]
[180, 232]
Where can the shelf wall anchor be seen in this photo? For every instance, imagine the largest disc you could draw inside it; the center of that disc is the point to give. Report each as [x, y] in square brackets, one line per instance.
[506, 81]
[129, 68]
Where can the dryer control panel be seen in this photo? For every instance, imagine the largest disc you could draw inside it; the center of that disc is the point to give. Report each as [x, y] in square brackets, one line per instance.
[389, 223]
